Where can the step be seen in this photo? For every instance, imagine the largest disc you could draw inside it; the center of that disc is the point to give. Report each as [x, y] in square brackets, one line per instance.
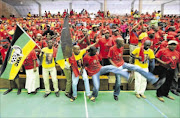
[61, 82]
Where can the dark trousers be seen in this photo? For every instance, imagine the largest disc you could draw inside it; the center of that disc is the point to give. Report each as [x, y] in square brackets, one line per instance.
[168, 75]
[175, 84]
[14, 82]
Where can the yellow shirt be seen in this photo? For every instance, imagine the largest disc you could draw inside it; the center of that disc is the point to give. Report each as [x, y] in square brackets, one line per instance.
[48, 59]
[141, 36]
[79, 58]
[148, 54]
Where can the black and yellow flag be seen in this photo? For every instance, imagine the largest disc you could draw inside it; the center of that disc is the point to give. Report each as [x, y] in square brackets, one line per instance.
[65, 45]
[21, 46]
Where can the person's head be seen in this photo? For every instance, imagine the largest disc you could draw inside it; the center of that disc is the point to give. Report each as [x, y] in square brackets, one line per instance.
[170, 37]
[37, 27]
[119, 42]
[147, 44]
[84, 31]
[94, 27]
[116, 32]
[92, 51]
[38, 37]
[172, 28]
[172, 45]
[106, 34]
[151, 34]
[50, 44]
[48, 27]
[156, 28]
[76, 49]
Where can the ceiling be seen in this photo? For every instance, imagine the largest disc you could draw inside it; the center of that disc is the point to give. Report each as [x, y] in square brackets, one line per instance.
[31, 2]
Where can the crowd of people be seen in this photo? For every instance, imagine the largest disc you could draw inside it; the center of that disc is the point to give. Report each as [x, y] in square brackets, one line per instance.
[98, 41]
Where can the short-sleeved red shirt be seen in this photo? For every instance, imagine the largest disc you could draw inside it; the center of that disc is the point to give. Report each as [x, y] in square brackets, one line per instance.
[84, 44]
[116, 54]
[105, 45]
[28, 63]
[133, 38]
[3, 53]
[92, 64]
[168, 56]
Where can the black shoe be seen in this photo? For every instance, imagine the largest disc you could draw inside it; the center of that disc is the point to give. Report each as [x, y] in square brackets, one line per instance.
[73, 98]
[68, 95]
[34, 92]
[115, 97]
[19, 91]
[159, 83]
[175, 93]
[57, 94]
[46, 95]
[92, 98]
[6, 92]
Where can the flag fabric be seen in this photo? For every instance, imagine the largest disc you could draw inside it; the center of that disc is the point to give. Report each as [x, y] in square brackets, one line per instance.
[65, 45]
[21, 46]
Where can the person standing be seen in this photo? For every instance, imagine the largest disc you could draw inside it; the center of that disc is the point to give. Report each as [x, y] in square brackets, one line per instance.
[16, 80]
[142, 55]
[48, 55]
[32, 73]
[168, 58]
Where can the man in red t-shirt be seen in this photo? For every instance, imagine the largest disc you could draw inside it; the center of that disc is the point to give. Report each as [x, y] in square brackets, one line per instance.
[116, 58]
[105, 44]
[32, 73]
[83, 40]
[16, 80]
[40, 44]
[133, 39]
[168, 59]
[91, 62]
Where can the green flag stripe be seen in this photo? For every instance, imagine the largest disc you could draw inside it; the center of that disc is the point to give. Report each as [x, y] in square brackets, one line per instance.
[22, 40]
[7, 71]
[59, 53]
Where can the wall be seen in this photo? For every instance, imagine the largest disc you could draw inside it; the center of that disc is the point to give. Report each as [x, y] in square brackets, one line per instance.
[7, 10]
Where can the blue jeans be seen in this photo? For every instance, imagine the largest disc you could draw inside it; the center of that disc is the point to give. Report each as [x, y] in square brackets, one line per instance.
[104, 70]
[117, 85]
[118, 71]
[75, 81]
[149, 76]
[151, 65]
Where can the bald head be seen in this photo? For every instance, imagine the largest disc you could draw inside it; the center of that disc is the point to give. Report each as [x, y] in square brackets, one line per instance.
[119, 42]
[76, 49]
[38, 36]
[147, 44]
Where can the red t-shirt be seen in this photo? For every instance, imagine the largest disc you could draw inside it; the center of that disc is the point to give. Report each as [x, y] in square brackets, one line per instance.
[164, 44]
[114, 38]
[105, 45]
[92, 64]
[28, 62]
[133, 38]
[41, 44]
[116, 54]
[168, 56]
[3, 53]
[84, 43]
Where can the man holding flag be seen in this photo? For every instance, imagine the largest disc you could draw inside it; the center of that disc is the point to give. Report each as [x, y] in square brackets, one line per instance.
[63, 54]
[21, 46]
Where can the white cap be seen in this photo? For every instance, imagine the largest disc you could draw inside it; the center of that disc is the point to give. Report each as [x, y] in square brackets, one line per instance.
[172, 41]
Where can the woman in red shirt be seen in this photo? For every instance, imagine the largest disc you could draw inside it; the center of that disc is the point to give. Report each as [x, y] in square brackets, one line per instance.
[32, 73]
